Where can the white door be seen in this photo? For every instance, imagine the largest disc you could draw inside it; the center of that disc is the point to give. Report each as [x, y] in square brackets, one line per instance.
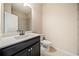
[11, 22]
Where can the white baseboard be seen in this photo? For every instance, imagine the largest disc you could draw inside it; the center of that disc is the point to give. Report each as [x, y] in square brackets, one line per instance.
[66, 52]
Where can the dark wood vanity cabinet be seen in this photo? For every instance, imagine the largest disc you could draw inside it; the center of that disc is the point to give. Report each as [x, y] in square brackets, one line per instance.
[30, 47]
[30, 51]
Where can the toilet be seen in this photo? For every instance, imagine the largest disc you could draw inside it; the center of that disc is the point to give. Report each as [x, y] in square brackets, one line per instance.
[47, 48]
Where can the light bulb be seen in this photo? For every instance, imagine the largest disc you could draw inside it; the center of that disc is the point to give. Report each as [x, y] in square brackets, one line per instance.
[26, 4]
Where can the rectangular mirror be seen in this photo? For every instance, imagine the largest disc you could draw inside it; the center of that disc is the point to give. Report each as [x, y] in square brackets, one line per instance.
[17, 17]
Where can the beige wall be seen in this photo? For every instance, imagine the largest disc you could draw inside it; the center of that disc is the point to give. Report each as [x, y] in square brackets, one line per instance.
[60, 26]
[0, 17]
[7, 7]
[78, 28]
[37, 18]
[29, 21]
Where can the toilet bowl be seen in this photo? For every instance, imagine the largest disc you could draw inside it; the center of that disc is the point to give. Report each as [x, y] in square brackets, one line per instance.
[47, 48]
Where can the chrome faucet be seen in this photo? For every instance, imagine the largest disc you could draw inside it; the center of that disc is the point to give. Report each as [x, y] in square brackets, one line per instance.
[21, 32]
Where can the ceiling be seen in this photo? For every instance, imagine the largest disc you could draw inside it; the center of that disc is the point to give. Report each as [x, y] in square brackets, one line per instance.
[20, 7]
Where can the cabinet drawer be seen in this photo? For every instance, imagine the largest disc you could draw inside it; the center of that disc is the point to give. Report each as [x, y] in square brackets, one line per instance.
[11, 50]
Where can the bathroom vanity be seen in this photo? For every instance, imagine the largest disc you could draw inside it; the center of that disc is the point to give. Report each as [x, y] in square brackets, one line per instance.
[28, 46]
[20, 42]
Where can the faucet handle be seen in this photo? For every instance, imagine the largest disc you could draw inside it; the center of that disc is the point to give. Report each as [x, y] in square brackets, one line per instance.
[18, 30]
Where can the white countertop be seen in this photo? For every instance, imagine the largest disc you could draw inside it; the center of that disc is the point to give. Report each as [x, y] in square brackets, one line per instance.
[7, 41]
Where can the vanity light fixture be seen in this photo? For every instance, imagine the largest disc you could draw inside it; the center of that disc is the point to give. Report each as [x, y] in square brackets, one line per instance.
[27, 4]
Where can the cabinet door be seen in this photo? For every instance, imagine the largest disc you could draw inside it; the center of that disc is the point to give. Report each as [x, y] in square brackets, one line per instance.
[22, 53]
[35, 49]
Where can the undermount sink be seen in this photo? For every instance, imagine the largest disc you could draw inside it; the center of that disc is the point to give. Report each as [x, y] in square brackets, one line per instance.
[25, 36]
[21, 36]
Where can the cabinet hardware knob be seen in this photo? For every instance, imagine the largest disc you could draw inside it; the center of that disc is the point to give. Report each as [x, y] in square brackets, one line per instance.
[31, 48]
